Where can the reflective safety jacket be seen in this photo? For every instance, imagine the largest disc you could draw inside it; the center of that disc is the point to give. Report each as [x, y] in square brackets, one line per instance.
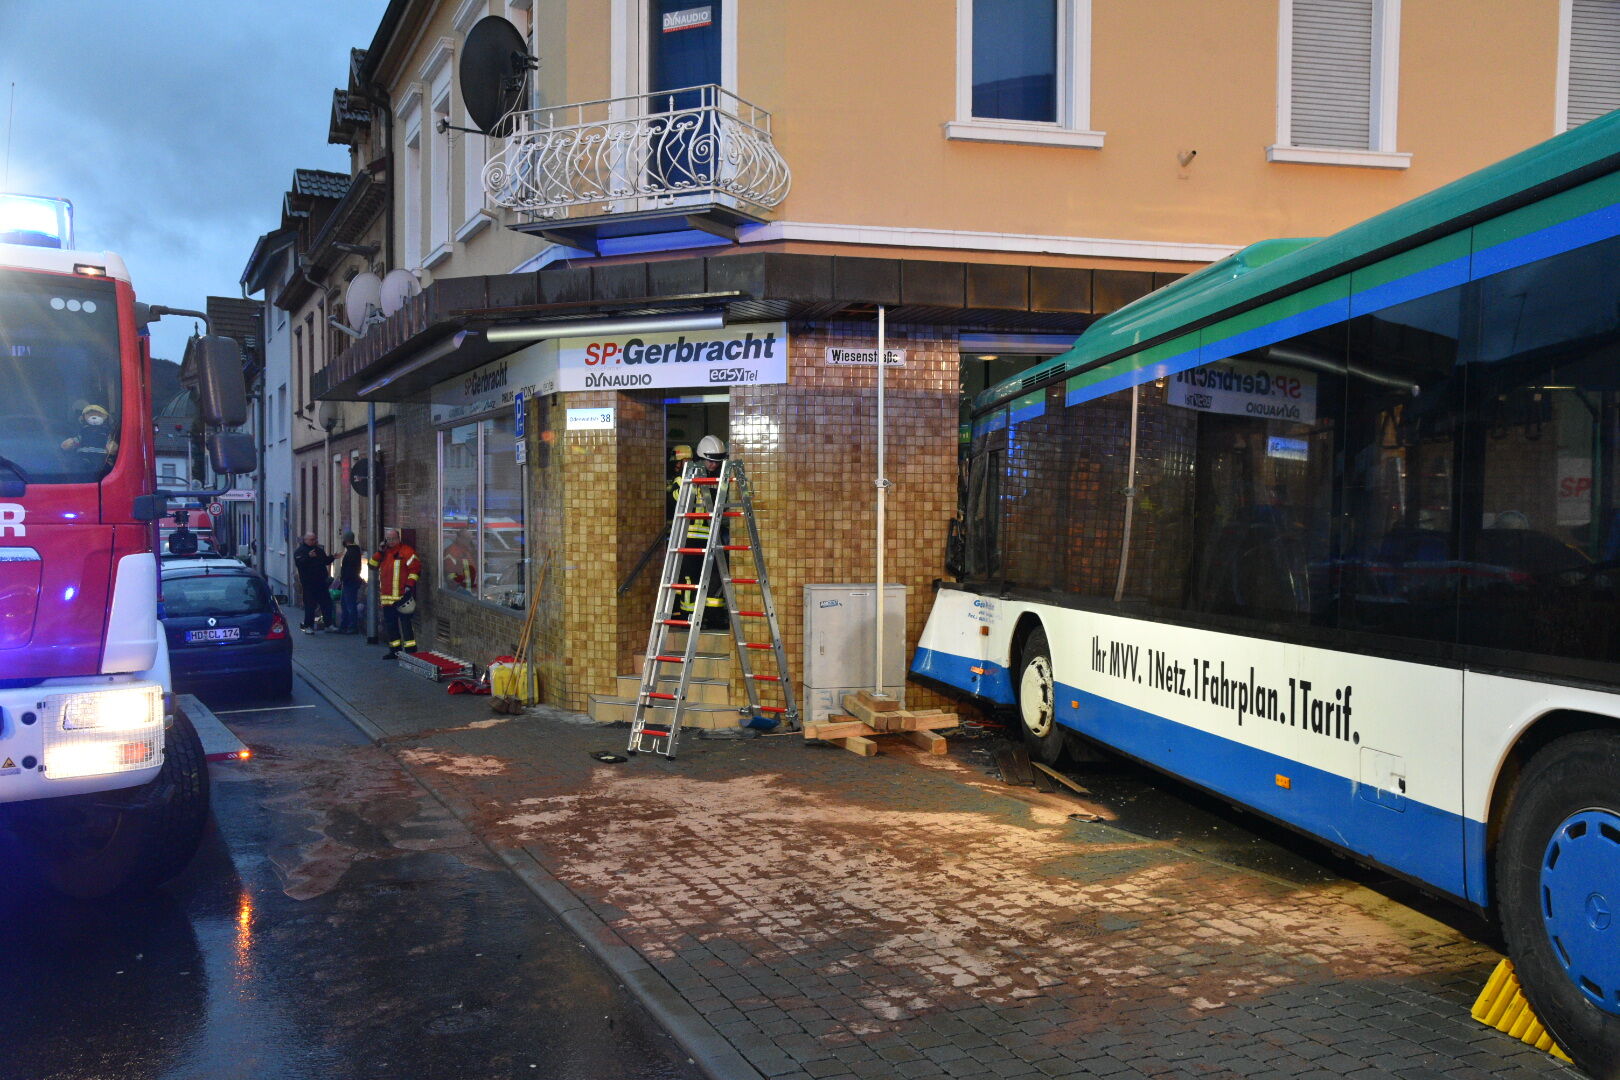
[696, 528]
[398, 569]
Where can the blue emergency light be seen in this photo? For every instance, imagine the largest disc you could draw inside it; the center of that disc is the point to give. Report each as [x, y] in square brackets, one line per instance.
[36, 221]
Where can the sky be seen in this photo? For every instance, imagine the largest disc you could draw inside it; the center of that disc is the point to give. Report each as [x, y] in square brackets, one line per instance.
[174, 126]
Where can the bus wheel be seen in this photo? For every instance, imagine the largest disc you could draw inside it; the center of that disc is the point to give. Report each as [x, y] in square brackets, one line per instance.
[1037, 705]
[1558, 887]
[92, 850]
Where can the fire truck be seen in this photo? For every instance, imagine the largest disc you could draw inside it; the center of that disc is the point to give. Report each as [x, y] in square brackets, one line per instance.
[102, 782]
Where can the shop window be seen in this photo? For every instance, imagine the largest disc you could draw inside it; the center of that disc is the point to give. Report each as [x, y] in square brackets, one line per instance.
[458, 484]
[501, 524]
[481, 537]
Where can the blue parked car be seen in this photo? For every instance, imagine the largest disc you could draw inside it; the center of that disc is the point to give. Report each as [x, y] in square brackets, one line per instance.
[225, 631]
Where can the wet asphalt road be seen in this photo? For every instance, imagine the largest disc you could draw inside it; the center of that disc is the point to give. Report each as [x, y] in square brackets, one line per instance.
[337, 923]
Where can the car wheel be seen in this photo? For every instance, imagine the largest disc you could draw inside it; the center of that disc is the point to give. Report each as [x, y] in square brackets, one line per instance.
[1037, 704]
[1558, 892]
[281, 684]
[90, 850]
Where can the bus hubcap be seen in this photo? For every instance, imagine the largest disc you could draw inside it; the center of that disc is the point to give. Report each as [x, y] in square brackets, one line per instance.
[1035, 697]
[1580, 886]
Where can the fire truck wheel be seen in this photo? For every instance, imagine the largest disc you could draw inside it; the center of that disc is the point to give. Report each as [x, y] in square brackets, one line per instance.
[104, 850]
[1558, 884]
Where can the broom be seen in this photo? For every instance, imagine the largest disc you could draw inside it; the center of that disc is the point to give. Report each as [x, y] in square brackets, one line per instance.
[507, 703]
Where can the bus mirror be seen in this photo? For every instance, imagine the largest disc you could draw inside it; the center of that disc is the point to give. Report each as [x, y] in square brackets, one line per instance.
[216, 378]
[148, 508]
[232, 452]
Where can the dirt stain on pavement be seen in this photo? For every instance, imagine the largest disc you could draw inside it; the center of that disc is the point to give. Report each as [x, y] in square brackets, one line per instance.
[937, 910]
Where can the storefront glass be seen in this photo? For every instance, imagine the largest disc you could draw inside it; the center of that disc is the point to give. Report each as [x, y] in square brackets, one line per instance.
[501, 535]
[481, 517]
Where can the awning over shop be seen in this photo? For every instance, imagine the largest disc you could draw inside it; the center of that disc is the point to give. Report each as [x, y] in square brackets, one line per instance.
[438, 334]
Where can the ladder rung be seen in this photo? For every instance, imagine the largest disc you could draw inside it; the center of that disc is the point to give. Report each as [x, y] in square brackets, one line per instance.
[772, 708]
[745, 581]
[696, 514]
[752, 614]
[691, 551]
[758, 645]
[676, 622]
[683, 588]
[704, 480]
[660, 696]
[655, 733]
[670, 659]
[734, 547]
[732, 513]
[765, 678]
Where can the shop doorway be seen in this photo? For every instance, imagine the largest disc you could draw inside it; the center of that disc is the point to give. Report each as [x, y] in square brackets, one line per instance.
[687, 419]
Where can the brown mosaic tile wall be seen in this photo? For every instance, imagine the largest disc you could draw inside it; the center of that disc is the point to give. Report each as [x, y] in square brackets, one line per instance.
[590, 563]
[547, 532]
[641, 505]
[810, 450]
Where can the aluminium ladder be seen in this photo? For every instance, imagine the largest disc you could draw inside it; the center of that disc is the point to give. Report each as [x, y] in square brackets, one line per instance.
[732, 498]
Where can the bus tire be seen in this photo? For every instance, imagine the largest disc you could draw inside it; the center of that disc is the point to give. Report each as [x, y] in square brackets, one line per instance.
[92, 851]
[1037, 701]
[1558, 891]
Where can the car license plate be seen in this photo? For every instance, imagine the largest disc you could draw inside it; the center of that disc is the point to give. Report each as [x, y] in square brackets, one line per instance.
[219, 633]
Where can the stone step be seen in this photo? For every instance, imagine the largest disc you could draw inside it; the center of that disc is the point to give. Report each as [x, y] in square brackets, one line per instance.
[709, 641]
[706, 665]
[610, 710]
[703, 691]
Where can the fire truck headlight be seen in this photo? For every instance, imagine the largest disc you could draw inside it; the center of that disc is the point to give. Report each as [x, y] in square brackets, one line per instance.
[107, 731]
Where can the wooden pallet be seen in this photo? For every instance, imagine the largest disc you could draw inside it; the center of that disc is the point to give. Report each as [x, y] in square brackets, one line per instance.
[873, 714]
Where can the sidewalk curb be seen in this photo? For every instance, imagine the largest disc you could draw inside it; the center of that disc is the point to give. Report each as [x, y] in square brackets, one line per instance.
[707, 1047]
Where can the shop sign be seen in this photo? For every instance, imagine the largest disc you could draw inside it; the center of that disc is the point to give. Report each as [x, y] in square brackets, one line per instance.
[600, 419]
[891, 357]
[529, 371]
[688, 18]
[238, 495]
[1245, 388]
[746, 355]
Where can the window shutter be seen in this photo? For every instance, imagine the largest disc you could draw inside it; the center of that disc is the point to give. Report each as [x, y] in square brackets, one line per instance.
[1594, 59]
[1332, 68]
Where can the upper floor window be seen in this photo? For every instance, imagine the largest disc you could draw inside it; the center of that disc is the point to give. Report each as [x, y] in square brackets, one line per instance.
[1024, 72]
[1337, 83]
[1589, 61]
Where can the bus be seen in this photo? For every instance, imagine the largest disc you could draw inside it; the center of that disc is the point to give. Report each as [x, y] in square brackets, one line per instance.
[1331, 529]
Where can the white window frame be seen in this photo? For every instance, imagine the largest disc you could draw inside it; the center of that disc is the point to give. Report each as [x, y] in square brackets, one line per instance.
[1073, 126]
[1385, 96]
[411, 179]
[629, 24]
[474, 147]
[435, 73]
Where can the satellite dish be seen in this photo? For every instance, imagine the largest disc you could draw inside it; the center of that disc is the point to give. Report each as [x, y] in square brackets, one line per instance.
[495, 66]
[363, 300]
[397, 287]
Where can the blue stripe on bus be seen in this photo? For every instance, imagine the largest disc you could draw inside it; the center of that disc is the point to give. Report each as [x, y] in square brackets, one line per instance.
[1602, 224]
[1436, 279]
[1028, 412]
[994, 685]
[1423, 841]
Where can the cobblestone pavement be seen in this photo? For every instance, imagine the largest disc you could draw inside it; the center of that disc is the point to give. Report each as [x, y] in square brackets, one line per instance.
[910, 916]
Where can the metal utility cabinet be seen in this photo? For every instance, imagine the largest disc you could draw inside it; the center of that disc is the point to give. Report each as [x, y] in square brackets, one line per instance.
[838, 624]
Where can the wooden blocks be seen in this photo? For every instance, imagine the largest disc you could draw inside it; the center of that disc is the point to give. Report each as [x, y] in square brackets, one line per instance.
[875, 714]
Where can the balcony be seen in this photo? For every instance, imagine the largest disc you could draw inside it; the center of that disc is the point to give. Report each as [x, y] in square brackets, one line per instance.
[579, 174]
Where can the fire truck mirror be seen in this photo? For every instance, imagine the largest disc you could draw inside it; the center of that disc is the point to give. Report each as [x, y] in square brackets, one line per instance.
[216, 376]
[232, 452]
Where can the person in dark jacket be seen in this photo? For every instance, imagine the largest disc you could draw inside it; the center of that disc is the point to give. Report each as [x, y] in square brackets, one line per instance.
[315, 577]
[351, 583]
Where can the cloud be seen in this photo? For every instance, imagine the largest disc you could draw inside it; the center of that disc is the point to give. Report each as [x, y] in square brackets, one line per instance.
[174, 127]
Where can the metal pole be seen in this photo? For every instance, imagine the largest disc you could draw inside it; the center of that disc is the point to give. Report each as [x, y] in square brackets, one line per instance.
[373, 530]
[882, 493]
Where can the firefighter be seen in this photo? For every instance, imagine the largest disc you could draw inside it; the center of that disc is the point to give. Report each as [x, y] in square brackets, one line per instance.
[458, 562]
[398, 570]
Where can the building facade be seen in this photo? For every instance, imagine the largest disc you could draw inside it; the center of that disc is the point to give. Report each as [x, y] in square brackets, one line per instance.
[994, 174]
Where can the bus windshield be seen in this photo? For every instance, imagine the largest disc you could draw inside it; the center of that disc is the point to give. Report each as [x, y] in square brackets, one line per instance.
[59, 365]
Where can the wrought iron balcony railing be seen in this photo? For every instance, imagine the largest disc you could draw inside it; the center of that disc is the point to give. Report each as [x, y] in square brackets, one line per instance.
[676, 151]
